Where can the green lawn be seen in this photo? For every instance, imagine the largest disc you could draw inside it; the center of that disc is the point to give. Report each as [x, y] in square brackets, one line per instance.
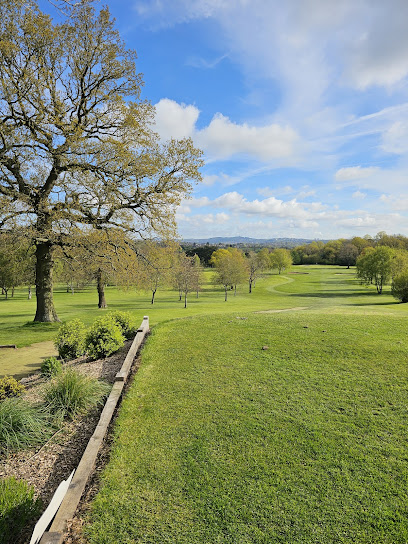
[219, 441]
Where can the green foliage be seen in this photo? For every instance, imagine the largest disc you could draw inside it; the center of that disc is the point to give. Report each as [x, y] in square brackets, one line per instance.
[71, 393]
[17, 507]
[21, 425]
[10, 387]
[51, 366]
[376, 266]
[399, 287]
[70, 341]
[104, 338]
[125, 321]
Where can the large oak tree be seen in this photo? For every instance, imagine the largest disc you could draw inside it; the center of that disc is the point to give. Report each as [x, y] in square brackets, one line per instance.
[76, 143]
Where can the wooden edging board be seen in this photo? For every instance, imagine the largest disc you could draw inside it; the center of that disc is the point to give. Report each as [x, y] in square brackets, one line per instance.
[86, 465]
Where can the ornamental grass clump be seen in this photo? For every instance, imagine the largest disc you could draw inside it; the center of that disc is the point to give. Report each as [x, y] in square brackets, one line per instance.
[17, 507]
[125, 321]
[70, 394]
[22, 425]
[10, 387]
[70, 340]
[104, 338]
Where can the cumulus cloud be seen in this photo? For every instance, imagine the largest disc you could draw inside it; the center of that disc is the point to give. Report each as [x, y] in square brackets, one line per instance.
[223, 138]
[175, 120]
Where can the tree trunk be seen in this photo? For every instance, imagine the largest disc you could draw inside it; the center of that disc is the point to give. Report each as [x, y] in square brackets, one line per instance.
[5, 292]
[153, 293]
[225, 293]
[185, 299]
[29, 293]
[101, 290]
[250, 286]
[45, 312]
[12, 291]
[235, 290]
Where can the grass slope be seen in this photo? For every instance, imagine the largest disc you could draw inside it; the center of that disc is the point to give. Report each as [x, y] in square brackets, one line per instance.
[219, 441]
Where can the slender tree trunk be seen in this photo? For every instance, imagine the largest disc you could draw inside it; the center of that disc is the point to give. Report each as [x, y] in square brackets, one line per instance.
[250, 286]
[29, 293]
[43, 283]
[5, 292]
[185, 299]
[225, 293]
[100, 284]
[235, 290]
[12, 292]
[153, 293]
[197, 292]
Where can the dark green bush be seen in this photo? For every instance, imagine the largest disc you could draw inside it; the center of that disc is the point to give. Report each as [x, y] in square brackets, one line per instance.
[22, 425]
[51, 366]
[71, 393]
[125, 321]
[70, 341]
[17, 507]
[10, 387]
[104, 338]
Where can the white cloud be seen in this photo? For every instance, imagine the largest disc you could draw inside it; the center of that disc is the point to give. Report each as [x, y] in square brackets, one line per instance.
[223, 139]
[355, 173]
[175, 120]
[358, 194]
[395, 138]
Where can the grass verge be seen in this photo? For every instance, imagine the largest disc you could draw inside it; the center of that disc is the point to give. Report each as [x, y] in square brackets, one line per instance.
[219, 441]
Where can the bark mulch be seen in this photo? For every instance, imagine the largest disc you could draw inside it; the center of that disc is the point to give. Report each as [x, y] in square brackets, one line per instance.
[46, 466]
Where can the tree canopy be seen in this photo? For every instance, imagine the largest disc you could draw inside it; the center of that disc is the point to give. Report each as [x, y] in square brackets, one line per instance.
[76, 143]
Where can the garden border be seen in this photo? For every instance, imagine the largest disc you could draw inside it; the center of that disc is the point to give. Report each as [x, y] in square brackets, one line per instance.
[69, 505]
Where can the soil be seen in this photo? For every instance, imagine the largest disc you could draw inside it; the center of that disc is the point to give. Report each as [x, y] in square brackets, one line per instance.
[46, 466]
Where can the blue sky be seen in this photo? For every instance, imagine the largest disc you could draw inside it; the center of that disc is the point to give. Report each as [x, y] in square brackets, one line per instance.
[300, 107]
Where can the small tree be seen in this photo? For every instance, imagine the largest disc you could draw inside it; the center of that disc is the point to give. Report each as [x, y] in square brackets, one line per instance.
[375, 266]
[222, 260]
[281, 259]
[187, 275]
[348, 254]
[156, 261]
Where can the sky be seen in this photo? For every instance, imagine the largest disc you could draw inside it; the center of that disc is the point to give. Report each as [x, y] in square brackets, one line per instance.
[300, 108]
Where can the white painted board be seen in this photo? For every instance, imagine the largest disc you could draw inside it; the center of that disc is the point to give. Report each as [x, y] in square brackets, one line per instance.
[51, 510]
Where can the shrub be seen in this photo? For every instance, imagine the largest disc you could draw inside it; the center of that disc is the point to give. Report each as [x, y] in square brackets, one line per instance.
[104, 338]
[70, 341]
[71, 393]
[17, 508]
[51, 366]
[399, 287]
[10, 387]
[22, 425]
[125, 321]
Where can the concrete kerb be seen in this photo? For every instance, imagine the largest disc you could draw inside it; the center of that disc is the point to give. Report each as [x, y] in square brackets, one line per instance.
[86, 465]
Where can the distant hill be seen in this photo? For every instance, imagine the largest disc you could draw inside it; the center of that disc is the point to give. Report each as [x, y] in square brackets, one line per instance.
[245, 241]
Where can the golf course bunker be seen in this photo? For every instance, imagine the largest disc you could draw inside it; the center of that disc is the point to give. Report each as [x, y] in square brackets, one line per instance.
[24, 361]
[284, 310]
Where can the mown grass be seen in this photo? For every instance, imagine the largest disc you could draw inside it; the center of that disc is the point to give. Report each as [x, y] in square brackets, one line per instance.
[316, 288]
[219, 441]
